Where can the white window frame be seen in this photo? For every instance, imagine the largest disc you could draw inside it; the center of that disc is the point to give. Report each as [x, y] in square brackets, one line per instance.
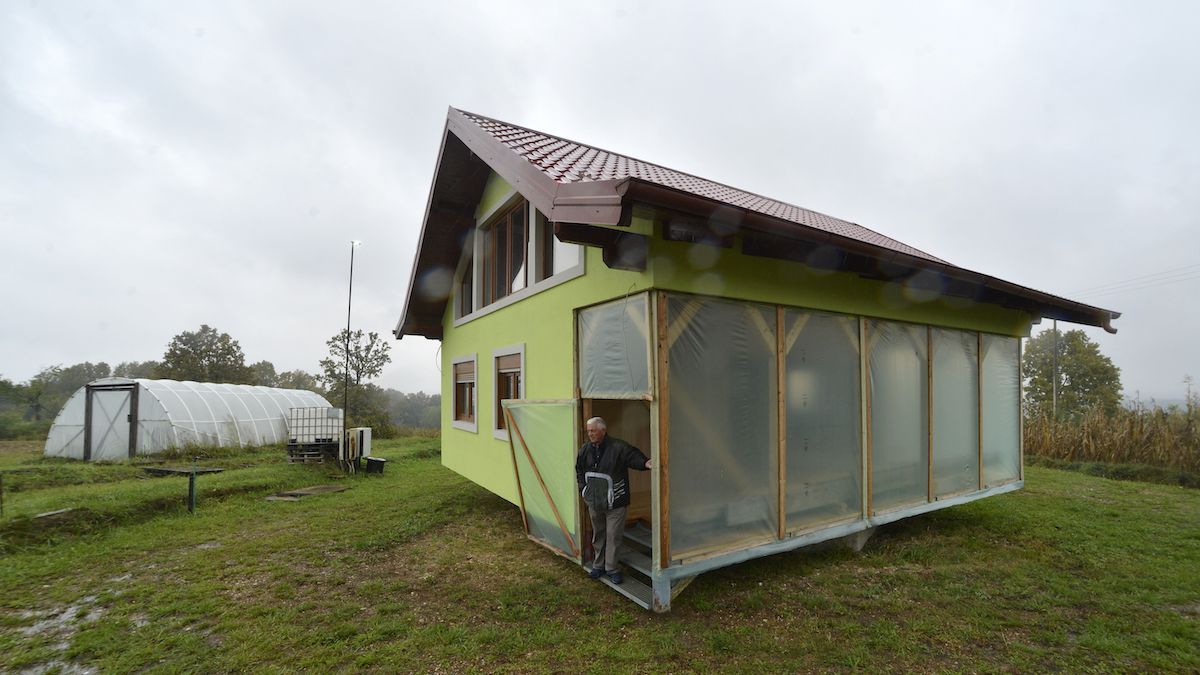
[533, 256]
[473, 427]
[519, 350]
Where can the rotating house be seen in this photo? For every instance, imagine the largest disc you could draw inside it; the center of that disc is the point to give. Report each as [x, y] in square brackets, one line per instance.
[117, 418]
[795, 377]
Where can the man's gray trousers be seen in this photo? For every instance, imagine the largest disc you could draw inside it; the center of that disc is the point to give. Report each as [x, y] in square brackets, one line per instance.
[608, 527]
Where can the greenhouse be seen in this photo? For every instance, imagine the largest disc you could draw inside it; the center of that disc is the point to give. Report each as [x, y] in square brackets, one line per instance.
[117, 418]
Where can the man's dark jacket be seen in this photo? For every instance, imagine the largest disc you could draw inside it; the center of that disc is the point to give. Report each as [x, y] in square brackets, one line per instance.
[613, 458]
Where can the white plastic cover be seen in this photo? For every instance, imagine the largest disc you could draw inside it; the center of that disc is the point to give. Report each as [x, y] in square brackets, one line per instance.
[547, 431]
[955, 411]
[173, 415]
[614, 349]
[899, 419]
[1001, 409]
[824, 424]
[722, 440]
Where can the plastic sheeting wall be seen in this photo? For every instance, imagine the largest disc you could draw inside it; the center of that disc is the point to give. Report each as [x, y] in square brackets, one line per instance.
[899, 414]
[547, 431]
[176, 414]
[824, 423]
[955, 411]
[614, 349]
[1001, 388]
[723, 448]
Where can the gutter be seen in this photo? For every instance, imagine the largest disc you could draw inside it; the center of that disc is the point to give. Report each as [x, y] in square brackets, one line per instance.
[637, 190]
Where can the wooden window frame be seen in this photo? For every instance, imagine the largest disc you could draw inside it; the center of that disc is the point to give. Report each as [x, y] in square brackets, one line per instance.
[498, 355]
[469, 423]
[496, 260]
[539, 236]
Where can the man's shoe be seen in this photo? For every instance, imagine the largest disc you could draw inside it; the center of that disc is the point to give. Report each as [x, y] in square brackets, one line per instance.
[596, 573]
[616, 577]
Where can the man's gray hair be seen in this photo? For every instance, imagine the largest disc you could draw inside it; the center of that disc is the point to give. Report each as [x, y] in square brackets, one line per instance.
[598, 421]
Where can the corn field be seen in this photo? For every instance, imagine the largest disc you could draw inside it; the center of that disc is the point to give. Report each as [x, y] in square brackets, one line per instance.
[1139, 435]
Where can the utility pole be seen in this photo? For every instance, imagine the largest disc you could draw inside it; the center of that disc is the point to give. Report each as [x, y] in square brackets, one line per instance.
[349, 299]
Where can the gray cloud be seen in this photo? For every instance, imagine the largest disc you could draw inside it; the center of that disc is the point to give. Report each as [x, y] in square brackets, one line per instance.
[162, 166]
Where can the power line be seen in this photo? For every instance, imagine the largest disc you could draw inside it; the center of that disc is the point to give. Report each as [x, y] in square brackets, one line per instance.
[1150, 284]
[1186, 269]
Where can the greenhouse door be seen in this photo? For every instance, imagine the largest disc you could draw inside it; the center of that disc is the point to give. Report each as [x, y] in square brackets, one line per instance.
[110, 422]
[542, 436]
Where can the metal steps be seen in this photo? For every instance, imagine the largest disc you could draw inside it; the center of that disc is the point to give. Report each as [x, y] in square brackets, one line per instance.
[641, 535]
[634, 590]
[637, 560]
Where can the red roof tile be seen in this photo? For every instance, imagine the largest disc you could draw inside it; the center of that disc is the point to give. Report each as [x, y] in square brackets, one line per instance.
[565, 161]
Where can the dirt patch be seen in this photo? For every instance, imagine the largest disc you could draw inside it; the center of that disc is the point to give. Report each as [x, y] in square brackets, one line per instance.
[1191, 611]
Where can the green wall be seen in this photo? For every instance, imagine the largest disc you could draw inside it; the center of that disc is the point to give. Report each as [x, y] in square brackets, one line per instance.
[544, 323]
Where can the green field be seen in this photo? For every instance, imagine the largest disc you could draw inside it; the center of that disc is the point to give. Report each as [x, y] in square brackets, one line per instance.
[419, 570]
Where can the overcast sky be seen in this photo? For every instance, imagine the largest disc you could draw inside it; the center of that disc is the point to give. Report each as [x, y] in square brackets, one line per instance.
[164, 165]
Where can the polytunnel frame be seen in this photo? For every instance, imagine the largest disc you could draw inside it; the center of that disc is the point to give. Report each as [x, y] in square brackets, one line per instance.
[222, 395]
[179, 402]
[669, 577]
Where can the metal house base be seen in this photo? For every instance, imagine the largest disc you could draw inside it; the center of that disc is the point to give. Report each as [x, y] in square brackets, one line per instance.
[666, 585]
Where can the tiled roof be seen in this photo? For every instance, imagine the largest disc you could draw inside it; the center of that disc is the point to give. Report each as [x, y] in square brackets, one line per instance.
[565, 161]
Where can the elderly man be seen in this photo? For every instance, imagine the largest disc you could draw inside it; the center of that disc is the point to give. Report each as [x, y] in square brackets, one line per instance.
[601, 470]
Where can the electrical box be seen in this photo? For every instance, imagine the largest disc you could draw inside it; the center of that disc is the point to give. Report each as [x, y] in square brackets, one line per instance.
[357, 445]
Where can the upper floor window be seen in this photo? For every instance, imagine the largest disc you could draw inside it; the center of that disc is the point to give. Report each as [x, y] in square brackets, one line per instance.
[513, 253]
[555, 256]
[505, 245]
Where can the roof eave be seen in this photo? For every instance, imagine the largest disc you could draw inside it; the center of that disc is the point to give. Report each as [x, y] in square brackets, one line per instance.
[1037, 302]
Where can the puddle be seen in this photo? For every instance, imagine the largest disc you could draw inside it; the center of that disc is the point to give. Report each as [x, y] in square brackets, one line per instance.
[62, 622]
[62, 667]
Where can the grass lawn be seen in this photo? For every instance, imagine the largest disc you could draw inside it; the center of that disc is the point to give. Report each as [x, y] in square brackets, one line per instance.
[419, 570]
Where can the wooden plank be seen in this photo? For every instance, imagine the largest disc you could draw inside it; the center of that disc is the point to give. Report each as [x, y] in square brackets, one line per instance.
[770, 341]
[929, 412]
[133, 419]
[179, 471]
[87, 423]
[664, 435]
[1020, 412]
[517, 475]
[546, 491]
[781, 414]
[870, 426]
[794, 333]
[979, 399]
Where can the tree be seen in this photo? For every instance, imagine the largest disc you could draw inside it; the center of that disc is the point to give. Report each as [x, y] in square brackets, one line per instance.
[367, 359]
[73, 377]
[298, 379]
[1087, 379]
[205, 356]
[38, 394]
[136, 369]
[419, 410]
[263, 374]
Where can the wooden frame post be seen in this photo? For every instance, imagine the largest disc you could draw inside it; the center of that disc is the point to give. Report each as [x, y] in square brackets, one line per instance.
[781, 421]
[517, 478]
[87, 423]
[1020, 411]
[133, 420]
[979, 399]
[929, 410]
[865, 359]
[664, 435]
